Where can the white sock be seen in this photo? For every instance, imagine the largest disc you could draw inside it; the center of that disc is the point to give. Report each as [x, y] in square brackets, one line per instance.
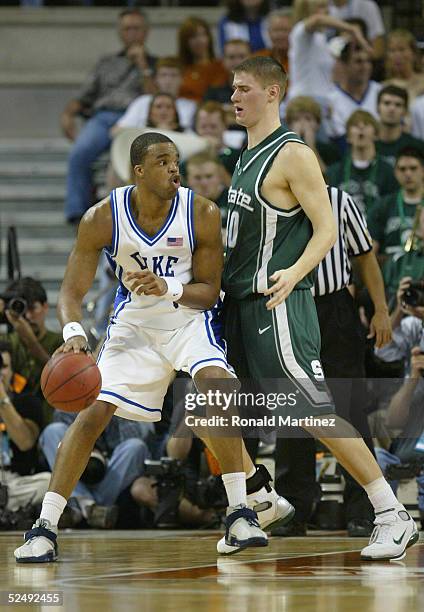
[381, 495]
[235, 486]
[251, 473]
[52, 508]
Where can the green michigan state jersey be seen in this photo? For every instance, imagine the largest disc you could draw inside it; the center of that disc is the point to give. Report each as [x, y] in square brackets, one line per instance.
[261, 238]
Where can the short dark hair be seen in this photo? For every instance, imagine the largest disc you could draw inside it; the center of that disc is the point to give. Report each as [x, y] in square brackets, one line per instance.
[348, 50]
[133, 11]
[236, 11]
[410, 152]
[266, 70]
[142, 143]
[393, 90]
[360, 23]
[28, 288]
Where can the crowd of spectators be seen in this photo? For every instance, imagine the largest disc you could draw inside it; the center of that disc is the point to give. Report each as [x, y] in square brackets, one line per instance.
[356, 97]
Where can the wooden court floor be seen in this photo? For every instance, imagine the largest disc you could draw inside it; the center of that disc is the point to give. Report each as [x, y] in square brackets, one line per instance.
[164, 571]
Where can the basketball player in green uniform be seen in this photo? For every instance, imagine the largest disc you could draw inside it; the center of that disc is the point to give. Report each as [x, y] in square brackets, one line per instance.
[280, 226]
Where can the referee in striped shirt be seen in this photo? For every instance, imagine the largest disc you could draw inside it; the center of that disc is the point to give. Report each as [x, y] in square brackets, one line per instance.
[342, 357]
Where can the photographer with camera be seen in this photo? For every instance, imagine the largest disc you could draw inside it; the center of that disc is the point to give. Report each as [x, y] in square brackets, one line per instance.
[410, 263]
[24, 307]
[20, 424]
[174, 487]
[410, 302]
[405, 457]
[392, 218]
[115, 463]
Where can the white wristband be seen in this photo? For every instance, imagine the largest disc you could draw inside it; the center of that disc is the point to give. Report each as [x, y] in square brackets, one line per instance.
[73, 329]
[175, 289]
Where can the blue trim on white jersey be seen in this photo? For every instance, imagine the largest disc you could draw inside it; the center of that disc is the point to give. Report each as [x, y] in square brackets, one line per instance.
[111, 261]
[115, 224]
[119, 306]
[190, 224]
[124, 399]
[210, 359]
[150, 240]
[104, 343]
[120, 272]
[192, 220]
[211, 332]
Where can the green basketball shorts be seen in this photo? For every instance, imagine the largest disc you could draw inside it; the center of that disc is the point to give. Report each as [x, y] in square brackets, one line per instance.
[283, 344]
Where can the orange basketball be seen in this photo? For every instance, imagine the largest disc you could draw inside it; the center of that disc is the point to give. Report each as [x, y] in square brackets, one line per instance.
[71, 381]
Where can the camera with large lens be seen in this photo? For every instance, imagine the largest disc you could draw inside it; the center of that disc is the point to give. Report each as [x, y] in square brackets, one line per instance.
[13, 302]
[414, 294]
[96, 468]
[210, 493]
[170, 486]
[404, 471]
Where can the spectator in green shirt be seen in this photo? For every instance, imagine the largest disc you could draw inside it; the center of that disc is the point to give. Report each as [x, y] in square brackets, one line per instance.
[408, 263]
[362, 172]
[392, 106]
[391, 221]
[31, 342]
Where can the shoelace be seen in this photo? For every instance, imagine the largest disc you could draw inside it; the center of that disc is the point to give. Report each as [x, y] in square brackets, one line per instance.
[380, 534]
[42, 524]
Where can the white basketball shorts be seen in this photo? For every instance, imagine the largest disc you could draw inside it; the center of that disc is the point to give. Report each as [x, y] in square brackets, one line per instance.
[138, 365]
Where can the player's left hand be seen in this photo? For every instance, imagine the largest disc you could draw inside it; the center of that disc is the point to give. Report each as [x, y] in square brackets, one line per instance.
[284, 282]
[146, 283]
[380, 328]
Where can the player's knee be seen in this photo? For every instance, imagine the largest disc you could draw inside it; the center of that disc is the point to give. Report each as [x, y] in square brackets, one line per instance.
[214, 377]
[94, 419]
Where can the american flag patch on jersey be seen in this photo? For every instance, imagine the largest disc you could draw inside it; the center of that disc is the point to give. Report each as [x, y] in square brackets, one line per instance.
[174, 242]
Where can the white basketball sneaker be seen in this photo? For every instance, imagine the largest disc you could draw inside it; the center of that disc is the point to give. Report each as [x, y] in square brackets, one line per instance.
[394, 532]
[40, 544]
[242, 531]
[272, 509]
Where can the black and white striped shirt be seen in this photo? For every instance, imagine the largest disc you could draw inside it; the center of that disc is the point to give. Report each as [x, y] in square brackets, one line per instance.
[335, 270]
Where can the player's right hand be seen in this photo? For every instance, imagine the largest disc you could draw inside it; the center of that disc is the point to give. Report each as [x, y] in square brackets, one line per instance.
[76, 344]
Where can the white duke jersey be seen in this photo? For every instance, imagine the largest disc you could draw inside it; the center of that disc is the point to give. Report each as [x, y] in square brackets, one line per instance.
[168, 254]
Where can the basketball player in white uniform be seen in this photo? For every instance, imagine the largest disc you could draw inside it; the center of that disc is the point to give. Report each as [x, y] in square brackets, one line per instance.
[165, 245]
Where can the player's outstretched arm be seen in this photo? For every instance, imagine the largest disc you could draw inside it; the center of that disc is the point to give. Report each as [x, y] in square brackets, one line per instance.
[94, 233]
[299, 170]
